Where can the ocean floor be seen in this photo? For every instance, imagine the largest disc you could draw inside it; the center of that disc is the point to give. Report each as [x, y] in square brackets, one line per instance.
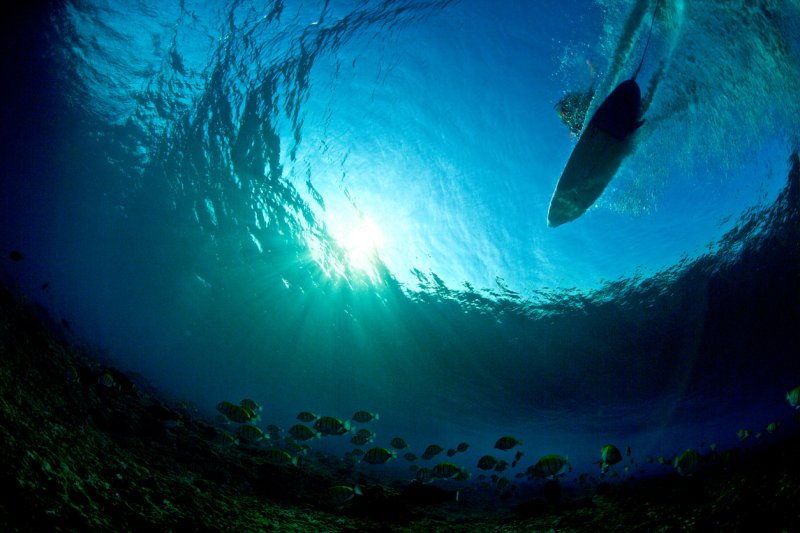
[86, 448]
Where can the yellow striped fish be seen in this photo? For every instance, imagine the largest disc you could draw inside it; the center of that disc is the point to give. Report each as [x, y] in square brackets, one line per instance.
[506, 443]
[250, 433]
[378, 456]
[329, 425]
[687, 463]
[236, 413]
[551, 465]
[445, 470]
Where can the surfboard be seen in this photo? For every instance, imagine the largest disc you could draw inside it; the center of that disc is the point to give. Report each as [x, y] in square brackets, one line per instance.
[593, 163]
[602, 147]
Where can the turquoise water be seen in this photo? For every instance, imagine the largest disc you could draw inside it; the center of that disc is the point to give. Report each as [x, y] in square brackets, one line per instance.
[333, 206]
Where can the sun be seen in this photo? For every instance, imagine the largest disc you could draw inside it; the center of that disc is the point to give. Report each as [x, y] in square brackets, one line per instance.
[362, 243]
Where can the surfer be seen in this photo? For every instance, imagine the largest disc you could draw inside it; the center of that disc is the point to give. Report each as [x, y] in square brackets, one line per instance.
[603, 145]
[573, 106]
[572, 109]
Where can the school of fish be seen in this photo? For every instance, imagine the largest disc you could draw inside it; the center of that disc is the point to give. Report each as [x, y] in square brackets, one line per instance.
[290, 446]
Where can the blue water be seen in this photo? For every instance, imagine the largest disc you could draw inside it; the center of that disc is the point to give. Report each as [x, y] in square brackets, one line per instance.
[333, 206]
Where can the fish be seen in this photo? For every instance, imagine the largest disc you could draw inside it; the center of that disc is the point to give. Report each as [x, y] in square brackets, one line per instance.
[235, 413]
[247, 403]
[462, 447]
[305, 416]
[743, 433]
[502, 482]
[106, 380]
[686, 463]
[628, 451]
[410, 456]
[772, 427]
[250, 433]
[463, 475]
[279, 456]
[445, 470]
[302, 433]
[432, 451]
[451, 452]
[274, 431]
[329, 425]
[361, 439]
[14, 255]
[506, 443]
[398, 443]
[793, 397]
[225, 438]
[551, 466]
[609, 456]
[518, 455]
[339, 495]
[378, 456]
[365, 416]
[712, 446]
[295, 447]
[487, 462]
[501, 466]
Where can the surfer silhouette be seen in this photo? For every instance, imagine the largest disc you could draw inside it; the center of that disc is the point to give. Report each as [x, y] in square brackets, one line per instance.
[603, 145]
[573, 106]
[572, 109]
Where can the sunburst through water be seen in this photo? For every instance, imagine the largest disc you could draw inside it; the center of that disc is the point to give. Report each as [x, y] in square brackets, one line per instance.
[341, 207]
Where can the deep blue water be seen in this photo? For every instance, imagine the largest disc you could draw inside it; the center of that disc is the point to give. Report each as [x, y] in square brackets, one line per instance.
[333, 206]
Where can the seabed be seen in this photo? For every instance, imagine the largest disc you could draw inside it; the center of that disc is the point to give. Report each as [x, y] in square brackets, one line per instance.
[79, 455]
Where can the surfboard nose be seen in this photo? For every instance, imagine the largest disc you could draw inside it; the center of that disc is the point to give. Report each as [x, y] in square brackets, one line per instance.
[563, 208]
[554, 221]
